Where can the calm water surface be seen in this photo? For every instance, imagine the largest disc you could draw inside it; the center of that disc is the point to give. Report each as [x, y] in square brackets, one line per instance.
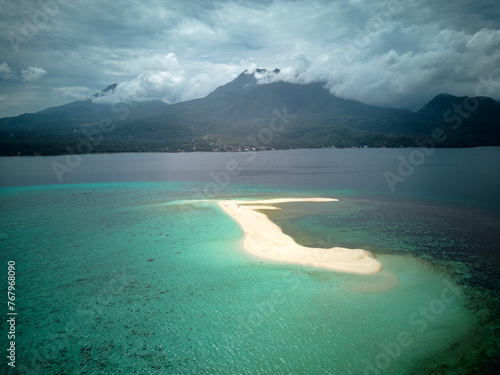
[111, 280]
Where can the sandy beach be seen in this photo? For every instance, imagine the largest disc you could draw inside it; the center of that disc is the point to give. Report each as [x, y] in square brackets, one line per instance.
[266, 240]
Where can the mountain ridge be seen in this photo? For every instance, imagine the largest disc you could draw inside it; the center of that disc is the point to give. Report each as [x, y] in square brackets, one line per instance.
[244, 108]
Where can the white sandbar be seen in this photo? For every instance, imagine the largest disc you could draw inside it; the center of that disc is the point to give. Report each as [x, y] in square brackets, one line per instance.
[265, 239]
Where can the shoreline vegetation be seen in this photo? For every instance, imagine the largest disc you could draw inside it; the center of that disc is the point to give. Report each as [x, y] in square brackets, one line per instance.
[266, 240]
[225, 149]
[68, 151]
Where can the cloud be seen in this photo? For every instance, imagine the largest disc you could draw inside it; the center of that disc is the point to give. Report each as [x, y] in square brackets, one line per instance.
[162, 78]
[165, 78]
[397, 53]
[30, 74]
[384, 58]
[73, 93]
[394, 70]
[6, 72]
[33, 73]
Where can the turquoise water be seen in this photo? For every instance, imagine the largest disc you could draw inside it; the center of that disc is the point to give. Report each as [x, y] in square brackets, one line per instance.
[111, 280]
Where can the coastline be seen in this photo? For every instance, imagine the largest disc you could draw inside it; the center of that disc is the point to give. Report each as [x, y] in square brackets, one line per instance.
[266, 240]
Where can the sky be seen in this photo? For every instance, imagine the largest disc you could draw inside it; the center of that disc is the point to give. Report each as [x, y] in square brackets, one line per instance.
[387, 53]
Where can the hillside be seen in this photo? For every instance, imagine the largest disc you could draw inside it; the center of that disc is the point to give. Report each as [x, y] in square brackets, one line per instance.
[245, 114]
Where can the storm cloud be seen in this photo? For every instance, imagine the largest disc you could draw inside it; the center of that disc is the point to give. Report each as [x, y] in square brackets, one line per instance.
[388, 53]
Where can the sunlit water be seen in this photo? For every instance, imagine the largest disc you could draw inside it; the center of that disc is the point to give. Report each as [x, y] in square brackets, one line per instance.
[111, 280]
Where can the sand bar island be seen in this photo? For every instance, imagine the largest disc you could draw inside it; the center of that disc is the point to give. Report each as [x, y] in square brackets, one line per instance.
[265, 239]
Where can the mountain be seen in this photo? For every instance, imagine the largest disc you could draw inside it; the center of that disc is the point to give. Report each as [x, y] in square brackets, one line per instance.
[472, 121]
[245, 113]
[107, 90]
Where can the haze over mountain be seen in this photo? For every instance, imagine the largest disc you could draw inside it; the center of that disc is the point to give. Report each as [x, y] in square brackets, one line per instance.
[248, 113]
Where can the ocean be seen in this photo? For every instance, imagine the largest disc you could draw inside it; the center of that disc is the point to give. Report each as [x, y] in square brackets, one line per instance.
[111, 278]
